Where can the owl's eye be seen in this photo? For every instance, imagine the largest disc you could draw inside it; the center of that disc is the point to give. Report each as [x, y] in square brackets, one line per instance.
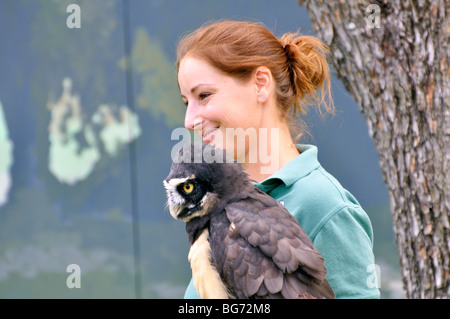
[188, 188]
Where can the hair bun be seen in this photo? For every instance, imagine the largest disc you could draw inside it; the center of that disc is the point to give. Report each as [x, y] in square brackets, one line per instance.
[307, 65]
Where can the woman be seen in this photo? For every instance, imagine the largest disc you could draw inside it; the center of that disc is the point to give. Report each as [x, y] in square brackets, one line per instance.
[240, 82]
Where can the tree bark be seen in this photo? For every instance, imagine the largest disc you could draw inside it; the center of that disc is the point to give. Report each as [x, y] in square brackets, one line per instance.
[398, 72]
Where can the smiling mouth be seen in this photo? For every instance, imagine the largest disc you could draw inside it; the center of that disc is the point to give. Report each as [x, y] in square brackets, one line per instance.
[208, 134]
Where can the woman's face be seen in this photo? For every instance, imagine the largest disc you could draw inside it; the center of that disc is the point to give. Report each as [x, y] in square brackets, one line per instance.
[217, 102]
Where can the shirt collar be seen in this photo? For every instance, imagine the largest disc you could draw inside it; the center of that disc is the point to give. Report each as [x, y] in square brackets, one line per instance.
[296, 169]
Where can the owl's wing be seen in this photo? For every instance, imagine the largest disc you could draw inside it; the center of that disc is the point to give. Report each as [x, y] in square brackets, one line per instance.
[269, 255]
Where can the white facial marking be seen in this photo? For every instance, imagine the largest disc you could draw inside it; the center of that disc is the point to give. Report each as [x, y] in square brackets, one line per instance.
[175, 201]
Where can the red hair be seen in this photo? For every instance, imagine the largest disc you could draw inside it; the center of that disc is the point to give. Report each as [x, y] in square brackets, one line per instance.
[236, 48]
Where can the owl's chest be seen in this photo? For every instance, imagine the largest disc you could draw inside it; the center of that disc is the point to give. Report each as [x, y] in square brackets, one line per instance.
[205, 273]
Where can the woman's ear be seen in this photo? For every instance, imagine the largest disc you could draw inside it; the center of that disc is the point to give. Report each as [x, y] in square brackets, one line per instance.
[263, 81]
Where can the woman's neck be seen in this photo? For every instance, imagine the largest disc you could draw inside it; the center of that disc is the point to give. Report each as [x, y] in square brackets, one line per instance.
[280, 151]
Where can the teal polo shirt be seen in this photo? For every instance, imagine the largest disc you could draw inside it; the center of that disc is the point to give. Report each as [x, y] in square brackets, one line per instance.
[333, 219]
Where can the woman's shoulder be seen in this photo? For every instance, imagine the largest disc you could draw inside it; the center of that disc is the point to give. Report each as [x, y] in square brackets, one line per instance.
[322, 190]
[309, 192]
[318, 197]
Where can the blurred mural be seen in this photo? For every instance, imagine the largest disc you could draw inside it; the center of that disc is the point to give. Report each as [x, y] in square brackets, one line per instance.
[69, 161]
[6, 159]
[86, 116]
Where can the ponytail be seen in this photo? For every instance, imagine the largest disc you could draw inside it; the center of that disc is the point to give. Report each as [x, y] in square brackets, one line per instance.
[308, 72]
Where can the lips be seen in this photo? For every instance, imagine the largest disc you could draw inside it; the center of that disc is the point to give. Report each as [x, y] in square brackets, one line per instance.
[207, 133]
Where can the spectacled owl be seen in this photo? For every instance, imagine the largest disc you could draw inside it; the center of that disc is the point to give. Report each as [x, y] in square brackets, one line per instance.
[243, 243]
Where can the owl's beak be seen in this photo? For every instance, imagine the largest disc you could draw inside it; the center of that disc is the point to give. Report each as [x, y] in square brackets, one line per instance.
[184, 213]
[175, 211]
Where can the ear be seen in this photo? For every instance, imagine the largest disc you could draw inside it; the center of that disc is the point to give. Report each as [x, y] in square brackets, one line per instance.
[263, 81]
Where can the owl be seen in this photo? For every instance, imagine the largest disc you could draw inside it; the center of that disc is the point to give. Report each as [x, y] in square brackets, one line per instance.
[243, 243]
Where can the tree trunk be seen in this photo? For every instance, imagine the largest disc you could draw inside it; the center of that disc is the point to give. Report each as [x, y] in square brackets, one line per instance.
[397, 69]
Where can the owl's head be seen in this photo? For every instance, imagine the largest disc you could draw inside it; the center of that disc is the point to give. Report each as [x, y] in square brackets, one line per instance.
[200, 178]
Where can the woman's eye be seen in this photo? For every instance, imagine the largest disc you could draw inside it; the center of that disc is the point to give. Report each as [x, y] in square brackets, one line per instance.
[203, 96]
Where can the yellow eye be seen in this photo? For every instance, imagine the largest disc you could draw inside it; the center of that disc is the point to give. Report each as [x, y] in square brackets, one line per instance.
[188, 188]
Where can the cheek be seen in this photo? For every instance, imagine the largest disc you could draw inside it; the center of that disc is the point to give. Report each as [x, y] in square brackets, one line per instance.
[245, 112]
[235, 107]
[236, 114]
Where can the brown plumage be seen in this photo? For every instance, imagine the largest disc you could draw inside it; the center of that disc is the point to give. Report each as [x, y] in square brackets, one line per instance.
[244, 244]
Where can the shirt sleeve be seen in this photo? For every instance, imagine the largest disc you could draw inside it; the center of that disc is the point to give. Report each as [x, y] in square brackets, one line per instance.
[191, 292]
[345, 242]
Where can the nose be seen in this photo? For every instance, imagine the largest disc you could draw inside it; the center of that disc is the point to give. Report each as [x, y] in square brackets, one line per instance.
[192, 117]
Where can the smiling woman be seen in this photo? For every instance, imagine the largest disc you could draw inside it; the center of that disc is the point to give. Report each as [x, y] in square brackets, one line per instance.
[238, 76]
[229, 79]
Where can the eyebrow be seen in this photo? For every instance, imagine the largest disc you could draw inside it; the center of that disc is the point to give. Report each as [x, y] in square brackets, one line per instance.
[195, 88]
